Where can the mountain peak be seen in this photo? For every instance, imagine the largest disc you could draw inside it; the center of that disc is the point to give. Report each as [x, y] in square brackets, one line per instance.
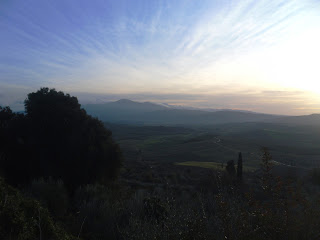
[129, 105]
[124, 101]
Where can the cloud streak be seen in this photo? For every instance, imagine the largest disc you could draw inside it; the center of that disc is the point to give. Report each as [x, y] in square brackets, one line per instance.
[160, 47]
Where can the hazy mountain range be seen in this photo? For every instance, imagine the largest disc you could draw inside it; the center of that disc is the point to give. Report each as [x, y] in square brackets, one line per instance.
[127, 111]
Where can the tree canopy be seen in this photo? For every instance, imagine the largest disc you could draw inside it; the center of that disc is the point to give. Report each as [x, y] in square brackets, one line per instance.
[56, 138]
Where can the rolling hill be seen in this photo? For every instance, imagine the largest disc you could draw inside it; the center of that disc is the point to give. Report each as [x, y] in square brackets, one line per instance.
[127, 111]
[310, 120]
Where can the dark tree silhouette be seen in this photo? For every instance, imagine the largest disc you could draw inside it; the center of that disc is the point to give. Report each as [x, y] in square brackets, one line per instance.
[62, 141]
[13, 150]
[230, 168]
[5, 116]
[239, 167]
[267, 178]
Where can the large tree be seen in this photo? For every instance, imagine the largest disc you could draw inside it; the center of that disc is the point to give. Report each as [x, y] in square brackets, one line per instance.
[14, 152]
[63, 141]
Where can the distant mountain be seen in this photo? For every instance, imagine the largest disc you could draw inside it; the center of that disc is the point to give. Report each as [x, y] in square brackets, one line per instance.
[127, 111]
[123, 110]
[201, 109]
[180, 107]
[312, 119]
[127, 104]
[200, 117]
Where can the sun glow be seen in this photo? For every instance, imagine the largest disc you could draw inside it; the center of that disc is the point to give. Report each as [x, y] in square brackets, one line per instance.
[295, 64]
[177, 47]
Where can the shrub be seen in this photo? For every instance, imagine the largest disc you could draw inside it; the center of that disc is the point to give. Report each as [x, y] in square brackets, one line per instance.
[52, 194]
[24, 218]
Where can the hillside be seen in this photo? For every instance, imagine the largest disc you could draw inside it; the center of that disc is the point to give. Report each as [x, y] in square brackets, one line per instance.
[310, 120]
[127, 111]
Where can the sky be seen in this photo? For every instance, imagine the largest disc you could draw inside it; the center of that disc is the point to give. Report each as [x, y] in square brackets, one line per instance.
[258, 55]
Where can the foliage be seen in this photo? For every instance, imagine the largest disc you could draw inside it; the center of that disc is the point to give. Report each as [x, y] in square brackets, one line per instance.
[99, 212]
[315, 176]
[24, 218]
[230, 168]
[57, 142]
[239, 166]
[52, 194]
[154, 208]
[5, 116]
[266, 166]
[14, 150]
[56, 138]
[163, 218]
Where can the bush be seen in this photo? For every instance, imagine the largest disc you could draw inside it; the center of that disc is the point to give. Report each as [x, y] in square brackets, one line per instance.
[98, 214]
[52, 194]
[24, 218]
[315, 176]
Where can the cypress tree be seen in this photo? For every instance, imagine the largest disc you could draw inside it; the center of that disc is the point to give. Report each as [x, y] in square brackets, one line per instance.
[239, 168]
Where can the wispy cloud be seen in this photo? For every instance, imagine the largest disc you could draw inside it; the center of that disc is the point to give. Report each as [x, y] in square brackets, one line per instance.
[160, 47]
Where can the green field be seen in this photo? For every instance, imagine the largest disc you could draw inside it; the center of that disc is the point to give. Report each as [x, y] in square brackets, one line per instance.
[297, 146]
[212, 165]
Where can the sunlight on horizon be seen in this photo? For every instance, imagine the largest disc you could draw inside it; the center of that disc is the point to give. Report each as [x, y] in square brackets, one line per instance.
[242, 48]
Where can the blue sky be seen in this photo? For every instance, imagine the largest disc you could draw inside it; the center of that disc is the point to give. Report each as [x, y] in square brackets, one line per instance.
[256, 55]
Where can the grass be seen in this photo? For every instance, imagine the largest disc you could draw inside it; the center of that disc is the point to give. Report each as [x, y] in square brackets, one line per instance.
[212, 165]
[177, 145]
